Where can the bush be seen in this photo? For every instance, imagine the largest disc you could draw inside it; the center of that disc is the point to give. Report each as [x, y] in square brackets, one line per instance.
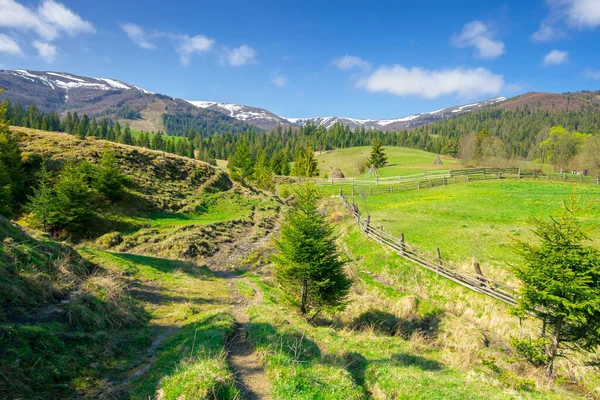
[531, 350]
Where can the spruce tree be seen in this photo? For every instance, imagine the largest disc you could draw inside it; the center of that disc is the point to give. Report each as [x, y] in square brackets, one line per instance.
[241, 164]
[377, 159]
[561, 285]
[13, 180]
[308, 265]
[41, 204]
[306, 165]
[72, 201]
[108, 179]
[6, 201]
[262, 173]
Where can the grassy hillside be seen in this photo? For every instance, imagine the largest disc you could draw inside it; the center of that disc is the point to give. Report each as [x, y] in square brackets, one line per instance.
[131, 311]
[174, 296]
[401, 161]
[479, 219]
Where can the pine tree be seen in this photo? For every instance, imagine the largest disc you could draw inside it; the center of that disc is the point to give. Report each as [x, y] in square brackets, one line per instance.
[377, 159]
[41, 204]
[6, 200]
[306, 165]
[13, 180]
[108, 179]
[561, 285]
[241, 164]
[262, 173]
[72, 201]
[308, 265]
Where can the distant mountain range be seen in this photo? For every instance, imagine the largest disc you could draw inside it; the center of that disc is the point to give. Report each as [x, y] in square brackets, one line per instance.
[145, 110]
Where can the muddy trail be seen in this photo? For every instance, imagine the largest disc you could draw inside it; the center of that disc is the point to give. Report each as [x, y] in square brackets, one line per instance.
[244, 360]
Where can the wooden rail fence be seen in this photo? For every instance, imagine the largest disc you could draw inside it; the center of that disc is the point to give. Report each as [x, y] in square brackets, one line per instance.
[476, 282]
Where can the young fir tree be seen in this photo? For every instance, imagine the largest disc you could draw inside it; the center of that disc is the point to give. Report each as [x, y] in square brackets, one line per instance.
[308, 264]
[41, 204]
[72, 201]
[13, 180]
[561, 285]
[377, 159]
[262, 173]
[108, 179]
[241, 164]
[306, 165]
[6, 201]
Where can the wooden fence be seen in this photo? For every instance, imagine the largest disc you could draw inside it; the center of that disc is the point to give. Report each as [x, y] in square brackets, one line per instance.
[434, 178]
[476, 282]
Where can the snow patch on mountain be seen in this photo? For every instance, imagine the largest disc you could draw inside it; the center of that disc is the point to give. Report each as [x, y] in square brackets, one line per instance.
[67, 81]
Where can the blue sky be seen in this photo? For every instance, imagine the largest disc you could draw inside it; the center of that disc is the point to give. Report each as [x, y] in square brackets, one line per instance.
[378, 59]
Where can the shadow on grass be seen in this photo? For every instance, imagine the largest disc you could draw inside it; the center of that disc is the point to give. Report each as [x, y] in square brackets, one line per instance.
[389, 324]
[165, 265]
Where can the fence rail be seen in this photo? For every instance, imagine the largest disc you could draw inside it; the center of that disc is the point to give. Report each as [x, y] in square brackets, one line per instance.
[476, 282]
[437, 178]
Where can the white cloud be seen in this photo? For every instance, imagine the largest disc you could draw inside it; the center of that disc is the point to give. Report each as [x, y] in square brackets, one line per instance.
[64, 19]
[580, 14]
[9, 46]
[478, 35]
[547, 33]
[241, 56]
[137, 34]
[47, 21]
[189, 46]
[430, 84]
[592, 73]
[349, 62]
[556, 57]
[45, 50]
[279, 80]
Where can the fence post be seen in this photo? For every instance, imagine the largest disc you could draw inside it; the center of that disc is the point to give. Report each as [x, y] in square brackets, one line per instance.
[498, 175]
[418, 185]
[598, 180]
[391, 189]
[450, 173]
[519, 173]
[425, 174]
[467, 176]
[478, 272]
[402, 245]
[439, 255]
[581, 178]
[341, 194]
[533, 174]
[444, 179]
[377, 180]
[352, 191]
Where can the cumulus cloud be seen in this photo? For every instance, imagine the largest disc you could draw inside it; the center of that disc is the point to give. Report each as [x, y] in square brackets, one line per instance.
[47, 21]
[592, 73]
[45, 50]
[579, 14]
[556, 57]
[137, 35]
[349, 62]
[64, 19]
[9, 46]
[547, 33]
[430, 84]
[189, 46]
[279, 80]
[478, 35]
[240, 56]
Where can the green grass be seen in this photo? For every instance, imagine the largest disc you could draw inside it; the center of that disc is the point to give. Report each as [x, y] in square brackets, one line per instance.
[331, 361]
[478, 219]
[136, 134]
[245, 289]
[401, 160]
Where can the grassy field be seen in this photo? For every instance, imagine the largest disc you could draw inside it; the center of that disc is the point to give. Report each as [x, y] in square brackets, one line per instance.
[401, 160]
[477, 220]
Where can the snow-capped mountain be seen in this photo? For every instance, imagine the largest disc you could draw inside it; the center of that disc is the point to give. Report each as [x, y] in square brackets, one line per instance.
[267, 120]
[145, 110]
[252, 115]
[396, 124]
[68, 81]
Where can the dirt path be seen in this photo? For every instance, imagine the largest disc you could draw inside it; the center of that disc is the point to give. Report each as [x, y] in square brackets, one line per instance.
[243, 358]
